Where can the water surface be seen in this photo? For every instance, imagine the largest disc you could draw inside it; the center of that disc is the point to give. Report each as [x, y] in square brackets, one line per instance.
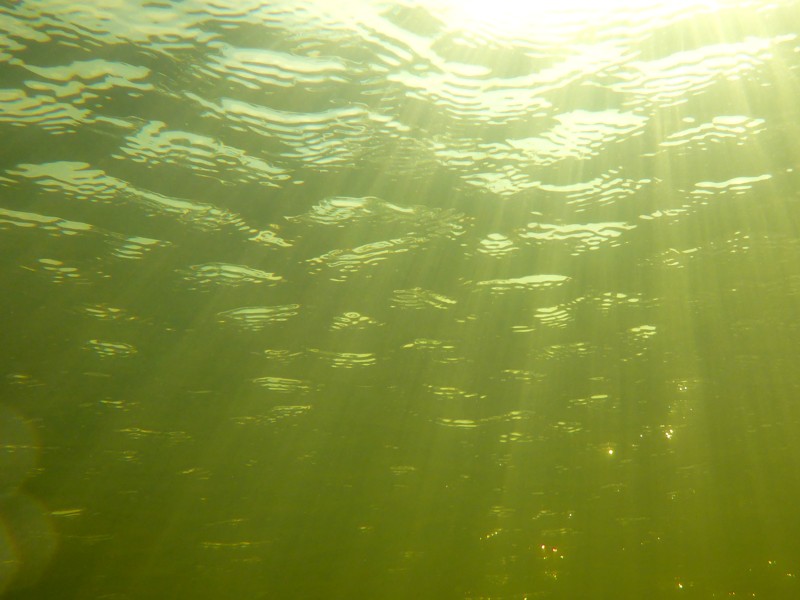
[396, 299]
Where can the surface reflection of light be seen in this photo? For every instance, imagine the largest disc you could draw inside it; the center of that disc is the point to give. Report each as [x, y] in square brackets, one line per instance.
[515, 16]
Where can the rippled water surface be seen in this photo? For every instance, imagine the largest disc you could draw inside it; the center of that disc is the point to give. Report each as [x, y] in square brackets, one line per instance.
[392, 299]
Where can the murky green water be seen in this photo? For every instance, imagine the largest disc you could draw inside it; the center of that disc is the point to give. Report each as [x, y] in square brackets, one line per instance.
[392, 300]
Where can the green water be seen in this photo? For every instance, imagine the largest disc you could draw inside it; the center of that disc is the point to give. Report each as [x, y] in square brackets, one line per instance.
[399, 300]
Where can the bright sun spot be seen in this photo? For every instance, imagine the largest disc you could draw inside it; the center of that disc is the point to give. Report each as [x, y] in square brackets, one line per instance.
[517, 16]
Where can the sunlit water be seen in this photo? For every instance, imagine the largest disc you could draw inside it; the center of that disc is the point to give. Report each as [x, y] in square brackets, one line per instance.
[394, 300]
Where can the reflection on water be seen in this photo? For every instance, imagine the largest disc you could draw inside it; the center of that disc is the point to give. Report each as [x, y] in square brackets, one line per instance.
[398, 298]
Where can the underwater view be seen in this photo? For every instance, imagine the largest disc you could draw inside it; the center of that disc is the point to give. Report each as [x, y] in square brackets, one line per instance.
[399, 299]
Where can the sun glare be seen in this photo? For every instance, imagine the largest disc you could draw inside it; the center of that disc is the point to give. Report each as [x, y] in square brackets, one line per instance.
[514, 16]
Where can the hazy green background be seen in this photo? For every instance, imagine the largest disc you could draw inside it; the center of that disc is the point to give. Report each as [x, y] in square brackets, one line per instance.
[395, 300]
